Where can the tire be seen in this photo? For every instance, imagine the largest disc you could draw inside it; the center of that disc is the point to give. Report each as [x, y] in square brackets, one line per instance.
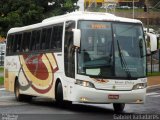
[59, 94]
[20, 97]
[59, 97]
[27, 98]
[118, 107]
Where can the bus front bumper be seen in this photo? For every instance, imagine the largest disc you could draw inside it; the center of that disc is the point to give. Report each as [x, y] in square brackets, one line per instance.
[92, 95]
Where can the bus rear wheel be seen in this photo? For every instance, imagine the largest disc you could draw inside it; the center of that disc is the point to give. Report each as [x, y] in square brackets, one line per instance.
[118, 107]
[18, 95]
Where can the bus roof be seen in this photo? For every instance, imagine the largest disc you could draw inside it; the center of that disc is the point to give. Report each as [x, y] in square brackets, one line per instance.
[79, 15]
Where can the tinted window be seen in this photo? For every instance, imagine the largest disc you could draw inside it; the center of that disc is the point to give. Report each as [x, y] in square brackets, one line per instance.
[56, 41]
[43, 39]
[26, 41]
[33, 41]
[36, 40]
[10, 40]
[38, 36]
[48, 37]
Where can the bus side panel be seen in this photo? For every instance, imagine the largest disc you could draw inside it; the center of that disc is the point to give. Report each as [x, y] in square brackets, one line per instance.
[37, 74]
[11, 71]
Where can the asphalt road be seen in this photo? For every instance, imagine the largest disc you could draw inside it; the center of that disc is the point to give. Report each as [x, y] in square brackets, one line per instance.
[45, 109]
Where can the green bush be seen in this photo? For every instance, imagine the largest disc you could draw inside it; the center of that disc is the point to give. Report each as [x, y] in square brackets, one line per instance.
[1, 69]
[1, 80]
[153, 74]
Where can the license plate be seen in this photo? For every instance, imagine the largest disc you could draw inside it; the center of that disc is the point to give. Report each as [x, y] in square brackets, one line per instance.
[113, 96]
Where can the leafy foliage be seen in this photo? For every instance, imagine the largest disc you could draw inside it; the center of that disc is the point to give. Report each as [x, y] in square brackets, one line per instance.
[1, 80]
[16, 13]
[153, 2]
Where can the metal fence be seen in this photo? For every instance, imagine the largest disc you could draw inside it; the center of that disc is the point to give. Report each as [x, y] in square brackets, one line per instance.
[1, 58]
[153, 62]
[2, 53]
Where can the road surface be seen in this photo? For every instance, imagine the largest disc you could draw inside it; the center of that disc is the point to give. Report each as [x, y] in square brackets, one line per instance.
[45, 109]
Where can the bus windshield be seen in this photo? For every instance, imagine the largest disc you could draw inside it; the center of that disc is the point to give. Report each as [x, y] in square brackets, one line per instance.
[111, 50]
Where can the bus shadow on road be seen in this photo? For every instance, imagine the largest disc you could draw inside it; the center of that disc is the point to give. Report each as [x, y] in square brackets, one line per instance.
[75, 107]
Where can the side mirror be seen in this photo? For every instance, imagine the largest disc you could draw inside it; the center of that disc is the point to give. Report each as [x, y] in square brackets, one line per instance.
[76, 37]
[152, 39]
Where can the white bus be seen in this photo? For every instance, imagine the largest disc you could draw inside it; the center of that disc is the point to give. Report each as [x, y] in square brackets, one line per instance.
[78, 57]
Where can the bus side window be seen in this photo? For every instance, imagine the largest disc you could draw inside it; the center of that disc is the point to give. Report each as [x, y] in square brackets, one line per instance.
[10, 41]
[55, 37]
[56, 40]
[26, 41]
[18, 43]
[38, 36]
[59, 36]
[48, 37]
[33, 40]
[43, 39]
[52, 43]
[15, 43]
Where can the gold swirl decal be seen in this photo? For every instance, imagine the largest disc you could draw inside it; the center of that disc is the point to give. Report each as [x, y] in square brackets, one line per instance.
[39, 71]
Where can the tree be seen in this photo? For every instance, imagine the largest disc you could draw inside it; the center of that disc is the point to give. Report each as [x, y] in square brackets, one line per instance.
[153, 2]
[17, 13]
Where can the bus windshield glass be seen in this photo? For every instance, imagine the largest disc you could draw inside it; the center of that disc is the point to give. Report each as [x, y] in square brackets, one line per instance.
[111, 50]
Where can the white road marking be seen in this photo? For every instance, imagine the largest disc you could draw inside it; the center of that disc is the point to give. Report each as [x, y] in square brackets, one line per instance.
[152, 93]
[4, 97]
[2, 89]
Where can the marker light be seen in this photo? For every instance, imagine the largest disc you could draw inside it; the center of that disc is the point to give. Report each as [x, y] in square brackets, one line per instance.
[139, 86]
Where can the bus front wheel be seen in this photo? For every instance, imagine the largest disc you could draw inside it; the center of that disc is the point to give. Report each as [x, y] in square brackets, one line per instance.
[118, 107]
[59, 94]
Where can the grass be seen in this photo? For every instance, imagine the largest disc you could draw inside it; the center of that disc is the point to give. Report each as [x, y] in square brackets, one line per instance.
[1, 80]
[153, 74]
[1, 69]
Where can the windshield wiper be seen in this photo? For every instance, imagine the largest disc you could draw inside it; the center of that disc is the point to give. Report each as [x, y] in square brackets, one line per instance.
[123, 61]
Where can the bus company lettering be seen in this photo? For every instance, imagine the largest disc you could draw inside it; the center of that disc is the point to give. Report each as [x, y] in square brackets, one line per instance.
[124, 82]
[11, 63]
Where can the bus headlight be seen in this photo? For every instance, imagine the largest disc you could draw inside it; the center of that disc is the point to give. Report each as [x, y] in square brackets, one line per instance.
[85, 83]
[139, 86]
